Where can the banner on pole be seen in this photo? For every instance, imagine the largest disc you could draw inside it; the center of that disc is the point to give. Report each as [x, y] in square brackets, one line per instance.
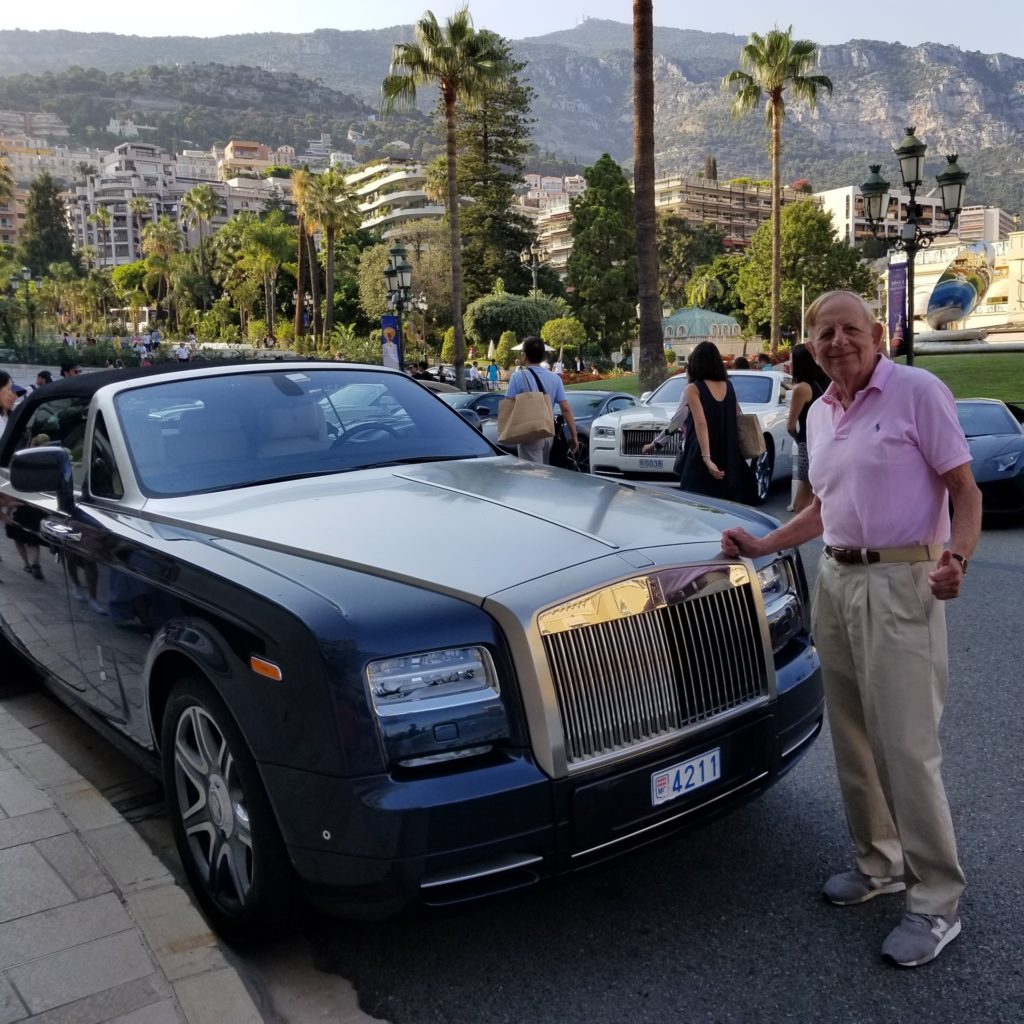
[897, 301]
[389, 341]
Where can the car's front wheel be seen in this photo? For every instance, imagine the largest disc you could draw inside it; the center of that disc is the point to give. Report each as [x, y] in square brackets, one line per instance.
[764, 469]
[223, 825]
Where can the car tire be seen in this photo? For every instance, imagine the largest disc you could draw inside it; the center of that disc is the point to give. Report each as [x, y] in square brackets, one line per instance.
[764, 469]
[224, 828]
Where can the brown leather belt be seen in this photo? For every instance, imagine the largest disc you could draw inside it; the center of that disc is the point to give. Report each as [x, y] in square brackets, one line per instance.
[865, 556]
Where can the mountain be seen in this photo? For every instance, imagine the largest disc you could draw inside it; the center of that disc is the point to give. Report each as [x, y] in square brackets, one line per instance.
[966, 102]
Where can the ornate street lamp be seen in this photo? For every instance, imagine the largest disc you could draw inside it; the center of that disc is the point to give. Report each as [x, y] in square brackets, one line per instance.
[398, 279]
[532, 261]
[952, 182]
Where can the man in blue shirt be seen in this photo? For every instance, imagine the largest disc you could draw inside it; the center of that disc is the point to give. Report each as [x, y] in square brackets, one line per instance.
[524, 380]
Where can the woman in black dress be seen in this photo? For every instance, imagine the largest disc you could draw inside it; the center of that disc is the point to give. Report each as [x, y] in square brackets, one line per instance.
[810, 383]
[711, 462]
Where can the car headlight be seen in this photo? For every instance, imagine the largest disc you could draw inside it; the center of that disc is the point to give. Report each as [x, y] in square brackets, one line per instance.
[1004, 462]
[423, 682]
[437, 705]
[603, 431]
[781, 597]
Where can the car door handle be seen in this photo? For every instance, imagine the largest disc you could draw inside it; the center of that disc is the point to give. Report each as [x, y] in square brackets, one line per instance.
[59, 531]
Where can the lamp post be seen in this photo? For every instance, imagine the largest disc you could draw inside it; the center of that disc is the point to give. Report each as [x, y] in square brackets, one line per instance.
[420, 302]
[398, 279]
[952, 183]
[30, 310]
[532, 261]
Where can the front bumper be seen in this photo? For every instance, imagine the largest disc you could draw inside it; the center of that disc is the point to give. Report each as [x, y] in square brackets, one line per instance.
[367, 847]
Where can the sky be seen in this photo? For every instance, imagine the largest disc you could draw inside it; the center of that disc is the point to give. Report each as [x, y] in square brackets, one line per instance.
[999, 29]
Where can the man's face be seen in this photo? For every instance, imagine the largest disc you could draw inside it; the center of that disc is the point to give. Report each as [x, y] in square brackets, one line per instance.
[7, 397]
[71, 371]
[845, 342]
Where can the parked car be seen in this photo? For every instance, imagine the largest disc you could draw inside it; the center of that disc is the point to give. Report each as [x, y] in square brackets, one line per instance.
[262, 593]
[617, 439]
[995, 435]
[586, 407]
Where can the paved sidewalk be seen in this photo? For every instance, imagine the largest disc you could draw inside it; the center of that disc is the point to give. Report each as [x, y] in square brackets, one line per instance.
[93, 929]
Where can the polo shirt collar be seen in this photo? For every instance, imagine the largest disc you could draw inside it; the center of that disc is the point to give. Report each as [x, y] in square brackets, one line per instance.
[879, 378]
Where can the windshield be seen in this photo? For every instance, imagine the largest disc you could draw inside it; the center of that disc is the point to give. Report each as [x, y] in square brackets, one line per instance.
[978, 419]
[584, 403]
[750, 389]
[236, 430]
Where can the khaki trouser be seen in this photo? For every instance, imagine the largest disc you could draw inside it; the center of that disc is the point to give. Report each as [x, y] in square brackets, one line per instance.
[882, 641]
[536, 451]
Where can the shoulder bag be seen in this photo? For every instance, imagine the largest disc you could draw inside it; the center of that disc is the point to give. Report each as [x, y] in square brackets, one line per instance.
[527, 416]
[750, 435]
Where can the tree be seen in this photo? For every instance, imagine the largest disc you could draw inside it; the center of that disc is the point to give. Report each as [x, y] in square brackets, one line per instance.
[491, 315]
[602, 265]
[102, 218]
[774, 63]
[503, 353]
[651, 346]
[199, 206]
[494, 140]
[160, 241]
[330, 208]
[462, 63]
[715, 285]
[564, 332]
[6, 181]
[811, 254]
[266, 244]
[45, 237]
[682, 248]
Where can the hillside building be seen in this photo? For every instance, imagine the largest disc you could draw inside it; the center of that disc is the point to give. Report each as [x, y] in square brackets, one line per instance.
[199, 164]
[391, 196]
[29, 157]
[984, 224]
[244, 159]
[32, 123]
[12, 216]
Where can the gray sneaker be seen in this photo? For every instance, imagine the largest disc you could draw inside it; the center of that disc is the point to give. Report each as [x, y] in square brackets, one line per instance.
[919, 938]
[849, 888]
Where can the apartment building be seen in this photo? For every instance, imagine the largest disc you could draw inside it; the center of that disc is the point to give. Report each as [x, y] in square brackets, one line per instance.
[244, 159]
[734, 207]
[391, 196]
[199, 164]
[138, 169]
[846, 205]
[984, 224]
[12, 216]
[29, 157]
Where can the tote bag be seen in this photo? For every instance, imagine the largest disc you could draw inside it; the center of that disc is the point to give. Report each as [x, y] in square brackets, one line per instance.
[527, 416]
[751, 437]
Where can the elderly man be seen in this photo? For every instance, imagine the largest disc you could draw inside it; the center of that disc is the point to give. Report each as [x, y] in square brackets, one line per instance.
[886, 455]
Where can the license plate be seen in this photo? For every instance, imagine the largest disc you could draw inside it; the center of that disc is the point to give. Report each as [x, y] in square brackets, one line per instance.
[652, 463]
[685, 777]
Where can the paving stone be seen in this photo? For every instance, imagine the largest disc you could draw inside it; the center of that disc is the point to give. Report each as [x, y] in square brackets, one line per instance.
[110, 1004]
[85, 806]
[44, 765]
[124, 855]
[27, 828]
[176, 932]
[32, 709]
[13, 735]
[11, 1007]
[20, 795]
[51, 931]
[82, 971]
[216, 997]
[28, 884]
[70, 858]
[157, 1013]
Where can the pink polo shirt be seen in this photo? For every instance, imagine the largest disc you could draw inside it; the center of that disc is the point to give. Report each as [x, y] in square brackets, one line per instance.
[876, 467]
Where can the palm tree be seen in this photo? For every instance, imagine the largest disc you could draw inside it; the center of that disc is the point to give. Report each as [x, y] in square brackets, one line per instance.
[102, 218]
[652, 347]
[139, 207]
[199, 206]
[300, 184]
[160, 241]
[774, 63]
[463, 64]
[330, 208]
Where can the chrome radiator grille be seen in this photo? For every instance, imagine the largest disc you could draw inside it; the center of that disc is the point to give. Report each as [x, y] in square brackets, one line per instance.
[628, 681]
[632, 442]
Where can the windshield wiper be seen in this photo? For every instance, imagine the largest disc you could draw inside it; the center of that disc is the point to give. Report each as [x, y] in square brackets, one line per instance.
[412, 460]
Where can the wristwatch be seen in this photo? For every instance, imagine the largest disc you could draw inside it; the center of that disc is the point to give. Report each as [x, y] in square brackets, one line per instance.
[960, 558]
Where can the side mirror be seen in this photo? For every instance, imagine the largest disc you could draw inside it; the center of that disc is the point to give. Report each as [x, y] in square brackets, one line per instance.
[645, 396]
[36, 470]
[471, 416]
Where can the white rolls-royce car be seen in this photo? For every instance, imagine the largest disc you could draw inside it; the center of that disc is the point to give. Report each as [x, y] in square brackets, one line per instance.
[617, 439]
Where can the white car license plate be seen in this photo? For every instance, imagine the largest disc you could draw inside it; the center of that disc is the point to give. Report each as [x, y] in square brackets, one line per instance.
[685, 777]
[652, 463]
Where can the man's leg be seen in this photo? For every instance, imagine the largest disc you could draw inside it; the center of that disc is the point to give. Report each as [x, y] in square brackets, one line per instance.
[536, 451]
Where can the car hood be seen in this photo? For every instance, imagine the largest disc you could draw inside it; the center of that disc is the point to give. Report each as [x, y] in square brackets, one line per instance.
[468, 527]
[985, 447]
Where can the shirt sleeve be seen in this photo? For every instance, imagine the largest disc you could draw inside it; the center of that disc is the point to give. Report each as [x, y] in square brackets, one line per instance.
[940, 437]
[558, 391]
[513, 388]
